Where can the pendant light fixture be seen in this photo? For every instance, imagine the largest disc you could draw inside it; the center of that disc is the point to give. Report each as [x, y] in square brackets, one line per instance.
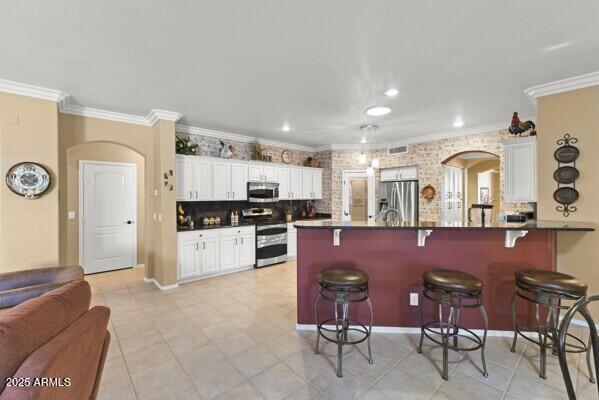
[368, 133]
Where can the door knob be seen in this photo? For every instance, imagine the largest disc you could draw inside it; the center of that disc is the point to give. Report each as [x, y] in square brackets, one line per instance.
[129, 222]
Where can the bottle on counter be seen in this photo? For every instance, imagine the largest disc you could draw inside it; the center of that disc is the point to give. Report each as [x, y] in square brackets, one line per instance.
[206, 221]
[217, 220]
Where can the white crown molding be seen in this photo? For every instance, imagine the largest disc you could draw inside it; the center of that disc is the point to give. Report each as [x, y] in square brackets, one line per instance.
[194, 130]
[153, 116]
[37, 92]
[563, 85]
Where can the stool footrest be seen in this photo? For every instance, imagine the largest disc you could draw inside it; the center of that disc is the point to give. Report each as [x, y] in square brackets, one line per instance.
[472, 337]
[354, 326]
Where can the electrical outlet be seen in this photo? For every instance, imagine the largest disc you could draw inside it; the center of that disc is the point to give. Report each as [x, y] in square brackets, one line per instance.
[413, 299]
[72, 215]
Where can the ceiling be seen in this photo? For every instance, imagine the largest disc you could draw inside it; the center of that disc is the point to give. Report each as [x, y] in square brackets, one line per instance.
[248, 67]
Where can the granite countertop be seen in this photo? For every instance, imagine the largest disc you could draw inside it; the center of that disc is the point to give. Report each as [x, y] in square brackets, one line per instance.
[200, 227]
[541, 225]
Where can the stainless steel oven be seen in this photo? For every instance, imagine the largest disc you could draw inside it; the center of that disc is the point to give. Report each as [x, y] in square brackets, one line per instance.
[263, 192]
[271, 244]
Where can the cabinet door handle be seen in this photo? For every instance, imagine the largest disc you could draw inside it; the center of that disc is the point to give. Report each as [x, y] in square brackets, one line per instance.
[235, 241]
[190, 194]
[197, 246]
[233, 196]
[197, 194]
[241, 240]
[204, 245]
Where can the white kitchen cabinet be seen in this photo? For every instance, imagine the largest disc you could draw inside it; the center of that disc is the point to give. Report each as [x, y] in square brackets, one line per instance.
[188, 258]
[229, 180]
[239, 179]
[311, 183]
[520, 158]
[215, 179]
[399, 174]
[317, 183]
[283, 177]
[197, 253]
[237, 247]
[291, 241]
[194, 178]
[247, 249]
[221, 178]
[295, 183]
[262, 173]
[210, 256]
[215, 251]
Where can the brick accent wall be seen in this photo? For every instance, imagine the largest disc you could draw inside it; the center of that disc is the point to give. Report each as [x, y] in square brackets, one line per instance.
[426, 156]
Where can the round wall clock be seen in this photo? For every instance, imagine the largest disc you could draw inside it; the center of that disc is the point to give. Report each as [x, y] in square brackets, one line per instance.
[286, 156]
[28, 179]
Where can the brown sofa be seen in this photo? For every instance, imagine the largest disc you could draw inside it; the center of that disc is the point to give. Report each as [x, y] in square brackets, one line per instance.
[53, 346]
[19, 286]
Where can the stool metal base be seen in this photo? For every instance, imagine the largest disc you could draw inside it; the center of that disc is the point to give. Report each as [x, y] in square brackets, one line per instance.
[449, 330]
[547, 331]
[343, 325]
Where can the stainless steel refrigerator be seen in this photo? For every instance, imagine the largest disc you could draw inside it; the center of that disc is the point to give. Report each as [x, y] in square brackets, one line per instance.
[401, 196]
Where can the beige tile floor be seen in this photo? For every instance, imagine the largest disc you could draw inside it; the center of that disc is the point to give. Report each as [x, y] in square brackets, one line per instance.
[234, 337]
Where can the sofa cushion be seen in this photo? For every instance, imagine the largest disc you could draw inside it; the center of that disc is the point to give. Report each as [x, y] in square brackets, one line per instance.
[76, 354]
[28, 326]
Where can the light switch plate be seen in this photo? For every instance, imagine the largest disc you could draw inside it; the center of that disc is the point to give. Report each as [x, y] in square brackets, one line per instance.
[72, 215]
[413, 299]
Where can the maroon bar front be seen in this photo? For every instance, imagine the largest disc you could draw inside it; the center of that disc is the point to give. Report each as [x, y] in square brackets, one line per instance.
[395, 265]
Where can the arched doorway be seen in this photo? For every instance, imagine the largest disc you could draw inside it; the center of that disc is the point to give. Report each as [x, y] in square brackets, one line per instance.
[470, 177]
[70, 226]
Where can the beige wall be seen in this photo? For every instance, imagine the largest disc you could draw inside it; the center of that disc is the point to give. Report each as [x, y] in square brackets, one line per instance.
[28, 228]
[428, 157]
[577, 113]
[97, 151]
[151, 146]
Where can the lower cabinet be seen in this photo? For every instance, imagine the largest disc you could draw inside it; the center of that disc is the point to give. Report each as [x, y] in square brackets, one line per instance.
[215, 251]
[291, 241]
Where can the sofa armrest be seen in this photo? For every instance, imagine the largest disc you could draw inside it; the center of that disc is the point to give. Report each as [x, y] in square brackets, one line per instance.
[39, 276]
[13, 297]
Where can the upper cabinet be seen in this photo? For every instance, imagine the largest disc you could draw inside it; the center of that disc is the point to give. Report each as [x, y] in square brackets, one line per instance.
[209, 179]
[520, 158]
[262, 173]
[229, 180]
[194, 179]
[312, 183]
[399, 174]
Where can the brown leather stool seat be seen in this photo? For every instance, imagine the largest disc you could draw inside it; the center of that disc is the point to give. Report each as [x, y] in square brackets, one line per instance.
[453, 281]
[551, 281]
[347, 278]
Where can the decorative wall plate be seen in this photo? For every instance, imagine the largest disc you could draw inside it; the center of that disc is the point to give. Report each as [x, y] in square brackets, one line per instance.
[566, 154]
[428, 192]
[566, 174]
[286, 156]
[566, 195]
[28, 179]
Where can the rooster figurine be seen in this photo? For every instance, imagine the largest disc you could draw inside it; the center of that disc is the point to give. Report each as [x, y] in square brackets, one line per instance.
[518, 127]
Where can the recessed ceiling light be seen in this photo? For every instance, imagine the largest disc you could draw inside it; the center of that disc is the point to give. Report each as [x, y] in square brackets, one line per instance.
[391, 92]
[458, 123]
[377, 111]
[286, 128]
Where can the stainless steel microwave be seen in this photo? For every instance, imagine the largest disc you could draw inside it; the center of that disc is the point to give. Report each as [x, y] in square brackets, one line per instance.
[263, 192]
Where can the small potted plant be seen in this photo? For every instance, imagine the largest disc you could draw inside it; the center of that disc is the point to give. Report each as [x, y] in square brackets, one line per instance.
[185, 146]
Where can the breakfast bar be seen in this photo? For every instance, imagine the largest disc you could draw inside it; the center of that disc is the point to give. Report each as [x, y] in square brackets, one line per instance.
[396, 255]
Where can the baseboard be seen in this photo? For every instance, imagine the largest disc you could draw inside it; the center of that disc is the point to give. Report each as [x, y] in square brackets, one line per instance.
[408, 330]
[139, 266]
[214, 275]
[159, 286]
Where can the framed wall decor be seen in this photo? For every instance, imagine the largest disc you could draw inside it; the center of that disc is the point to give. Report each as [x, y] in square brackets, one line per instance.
[28, 179]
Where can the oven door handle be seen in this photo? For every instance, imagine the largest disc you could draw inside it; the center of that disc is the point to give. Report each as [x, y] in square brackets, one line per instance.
[267, 243]
[265, 227]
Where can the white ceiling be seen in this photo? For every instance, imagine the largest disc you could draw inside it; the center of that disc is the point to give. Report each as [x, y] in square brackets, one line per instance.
[248, 67]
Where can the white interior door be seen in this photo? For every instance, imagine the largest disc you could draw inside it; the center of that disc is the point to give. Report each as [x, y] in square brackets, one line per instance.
[108, 212]
[346, 200]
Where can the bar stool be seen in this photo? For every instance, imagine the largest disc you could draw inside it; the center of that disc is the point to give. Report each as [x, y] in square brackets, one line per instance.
[456, 290]
[343, 287]
[548, 289]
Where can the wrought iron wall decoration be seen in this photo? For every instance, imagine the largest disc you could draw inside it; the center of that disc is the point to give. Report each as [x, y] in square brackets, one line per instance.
[566, 175]
[167, 180]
